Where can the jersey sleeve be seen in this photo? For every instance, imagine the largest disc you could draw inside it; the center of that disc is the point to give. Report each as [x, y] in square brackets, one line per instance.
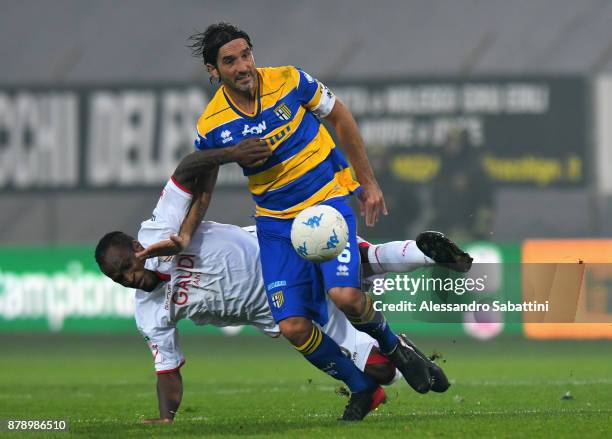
[204, 133]
[160, 334]
[167, 216]
[314, 95]
[164, 345]
[201, 142]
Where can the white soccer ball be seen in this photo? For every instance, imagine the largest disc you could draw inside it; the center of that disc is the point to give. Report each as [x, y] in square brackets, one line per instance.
[319, 233]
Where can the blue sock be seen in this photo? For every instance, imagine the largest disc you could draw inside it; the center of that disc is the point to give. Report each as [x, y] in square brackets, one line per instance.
[374, 324]
[386, 338]
[325, 354]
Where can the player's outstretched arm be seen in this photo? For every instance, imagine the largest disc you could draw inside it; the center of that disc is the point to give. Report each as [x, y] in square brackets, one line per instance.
[198, 172]
[202, 190]
[202, 195]
[371, 200]
[250, 152]
[169, 395]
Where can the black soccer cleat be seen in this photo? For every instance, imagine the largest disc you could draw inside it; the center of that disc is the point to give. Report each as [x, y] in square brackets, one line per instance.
[439, 381]
[413, 368]
[362, 403]
[444, 251]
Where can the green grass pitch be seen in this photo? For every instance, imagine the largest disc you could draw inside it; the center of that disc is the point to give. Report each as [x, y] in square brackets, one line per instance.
[254, 386]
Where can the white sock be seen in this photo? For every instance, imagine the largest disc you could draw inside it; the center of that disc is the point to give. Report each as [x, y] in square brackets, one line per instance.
[397, 257]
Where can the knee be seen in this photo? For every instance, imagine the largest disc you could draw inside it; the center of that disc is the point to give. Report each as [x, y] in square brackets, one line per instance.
[296, 330]
[349, 300]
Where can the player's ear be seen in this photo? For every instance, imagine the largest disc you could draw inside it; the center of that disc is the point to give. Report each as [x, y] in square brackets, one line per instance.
[212, 71]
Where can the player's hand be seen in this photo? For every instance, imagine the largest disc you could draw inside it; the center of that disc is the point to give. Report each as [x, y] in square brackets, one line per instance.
[371, 203]
[167, 247]
[251, 152]
[157, 421]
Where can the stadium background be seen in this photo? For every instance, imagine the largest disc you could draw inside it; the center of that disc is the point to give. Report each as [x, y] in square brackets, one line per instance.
[489, 120]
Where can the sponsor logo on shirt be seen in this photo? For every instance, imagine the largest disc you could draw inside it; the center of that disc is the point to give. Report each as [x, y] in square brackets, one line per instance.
[168, 297]
[226, 136]
[279, 136]
[178, 292]
[255, 129]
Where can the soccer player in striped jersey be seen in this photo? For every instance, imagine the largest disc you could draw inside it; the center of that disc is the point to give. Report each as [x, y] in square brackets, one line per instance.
[279, 108]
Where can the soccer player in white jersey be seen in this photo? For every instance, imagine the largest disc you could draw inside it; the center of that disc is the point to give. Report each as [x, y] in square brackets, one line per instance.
[217, 280]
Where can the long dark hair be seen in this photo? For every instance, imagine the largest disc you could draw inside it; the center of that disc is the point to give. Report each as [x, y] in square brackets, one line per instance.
[206, 44]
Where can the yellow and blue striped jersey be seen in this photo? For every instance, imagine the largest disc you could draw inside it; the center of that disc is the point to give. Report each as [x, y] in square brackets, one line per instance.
[305, 168]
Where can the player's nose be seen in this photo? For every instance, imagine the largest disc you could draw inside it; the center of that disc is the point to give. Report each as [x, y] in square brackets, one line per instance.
[243, 68]
[242, 73]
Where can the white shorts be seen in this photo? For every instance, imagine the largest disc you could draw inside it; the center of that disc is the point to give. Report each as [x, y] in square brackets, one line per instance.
[354, 343]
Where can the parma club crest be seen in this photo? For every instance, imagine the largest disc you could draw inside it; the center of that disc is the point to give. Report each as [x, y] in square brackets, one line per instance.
[278, 299]
[283, 112]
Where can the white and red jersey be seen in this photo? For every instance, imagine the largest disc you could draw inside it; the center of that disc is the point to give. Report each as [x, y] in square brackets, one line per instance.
[217, 280]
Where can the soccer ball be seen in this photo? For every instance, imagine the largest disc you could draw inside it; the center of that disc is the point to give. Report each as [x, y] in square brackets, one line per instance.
[319, 233]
